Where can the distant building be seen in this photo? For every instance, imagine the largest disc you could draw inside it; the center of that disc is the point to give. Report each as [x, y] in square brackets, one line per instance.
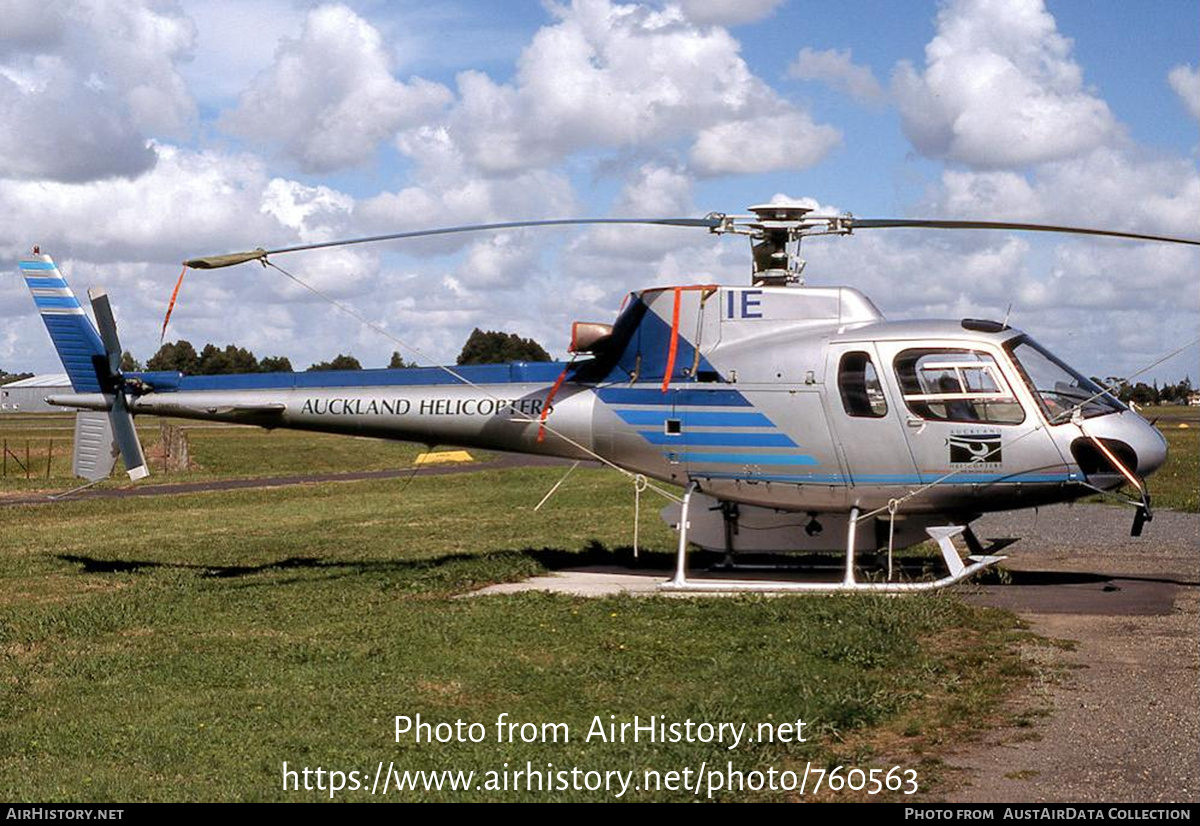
[28, 395]
[1194, 400]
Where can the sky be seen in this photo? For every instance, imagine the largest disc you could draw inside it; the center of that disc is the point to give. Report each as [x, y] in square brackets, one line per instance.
[136, 134]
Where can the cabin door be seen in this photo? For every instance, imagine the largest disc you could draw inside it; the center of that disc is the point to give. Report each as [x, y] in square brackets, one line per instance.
[867, 418]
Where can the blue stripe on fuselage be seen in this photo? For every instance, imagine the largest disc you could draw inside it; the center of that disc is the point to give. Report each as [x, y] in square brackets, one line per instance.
[682, 396]
[710, 439]
[745, 459]
[651, 407]
[695, 418]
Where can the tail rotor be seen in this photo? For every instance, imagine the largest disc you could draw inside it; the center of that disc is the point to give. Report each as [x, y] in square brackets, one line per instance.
[108, 371]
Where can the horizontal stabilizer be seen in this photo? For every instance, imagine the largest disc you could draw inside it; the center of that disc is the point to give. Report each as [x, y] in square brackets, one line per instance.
[272, 407]
[170, 407]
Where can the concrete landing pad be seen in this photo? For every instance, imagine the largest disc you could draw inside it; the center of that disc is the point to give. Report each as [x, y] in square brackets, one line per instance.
[592, 581]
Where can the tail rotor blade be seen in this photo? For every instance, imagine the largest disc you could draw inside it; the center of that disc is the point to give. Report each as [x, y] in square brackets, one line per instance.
[108, 327]
[118, 415]
[127, 439]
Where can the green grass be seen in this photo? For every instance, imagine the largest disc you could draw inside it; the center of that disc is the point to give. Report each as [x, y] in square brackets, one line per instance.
[1177, 484]
[243, 451]
[182, 648]
[217, 452]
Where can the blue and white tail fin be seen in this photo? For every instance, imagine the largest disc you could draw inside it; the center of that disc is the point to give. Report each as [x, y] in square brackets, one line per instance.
[91, 358]
[70, 329]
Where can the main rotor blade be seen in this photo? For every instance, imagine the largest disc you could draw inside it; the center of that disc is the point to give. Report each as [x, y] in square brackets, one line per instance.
[887, 223]
[108, 328]
[213, 262]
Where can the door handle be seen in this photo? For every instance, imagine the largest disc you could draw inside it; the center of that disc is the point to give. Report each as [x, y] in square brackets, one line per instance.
[915, 423]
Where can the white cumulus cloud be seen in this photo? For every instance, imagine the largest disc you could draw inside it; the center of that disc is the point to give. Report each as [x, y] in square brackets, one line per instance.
[447, 191]
[651, 190]
[84, 84]
[838, 69]
[1117, 189]
[790, 140]
[727, 12]
[607, 76]
[1000, 89]
[329, 98]
[1185, 80]
[190, 202]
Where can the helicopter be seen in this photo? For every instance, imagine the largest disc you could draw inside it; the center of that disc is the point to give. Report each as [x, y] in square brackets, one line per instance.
[795, 418]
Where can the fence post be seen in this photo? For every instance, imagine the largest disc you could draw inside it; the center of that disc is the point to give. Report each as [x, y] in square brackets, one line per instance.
[174, 442]
[49, 457]
[26, 458]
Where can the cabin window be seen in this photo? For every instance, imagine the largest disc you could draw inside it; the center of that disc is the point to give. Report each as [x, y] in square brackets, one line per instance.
[858, 383]
[1060, 389]
[673, 427]
[956, 386]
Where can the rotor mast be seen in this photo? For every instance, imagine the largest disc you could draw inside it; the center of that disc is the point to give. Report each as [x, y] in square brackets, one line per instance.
[775, 232]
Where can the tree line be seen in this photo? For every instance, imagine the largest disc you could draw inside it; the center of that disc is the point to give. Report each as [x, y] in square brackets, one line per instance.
[5, 378]
[1143, 394]
[490, 347]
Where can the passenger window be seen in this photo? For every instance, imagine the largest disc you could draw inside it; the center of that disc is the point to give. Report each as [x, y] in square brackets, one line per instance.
[858, 383]
[956, 386]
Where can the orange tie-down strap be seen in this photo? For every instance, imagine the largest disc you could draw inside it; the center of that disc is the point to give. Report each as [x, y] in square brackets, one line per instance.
[1124, 471]
[708, 290]
[171, 303]
[541, 437]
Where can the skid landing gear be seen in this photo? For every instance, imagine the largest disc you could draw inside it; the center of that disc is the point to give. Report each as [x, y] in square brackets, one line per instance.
[957, 569]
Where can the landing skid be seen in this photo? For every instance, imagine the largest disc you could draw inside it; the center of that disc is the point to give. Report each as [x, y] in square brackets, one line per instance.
[957, 569]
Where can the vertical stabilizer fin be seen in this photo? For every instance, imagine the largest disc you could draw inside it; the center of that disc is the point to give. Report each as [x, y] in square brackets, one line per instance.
[74, 336]
[92, 360]
[95, 448]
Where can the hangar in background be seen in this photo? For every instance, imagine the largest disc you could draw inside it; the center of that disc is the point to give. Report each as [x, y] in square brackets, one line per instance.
[29, 395]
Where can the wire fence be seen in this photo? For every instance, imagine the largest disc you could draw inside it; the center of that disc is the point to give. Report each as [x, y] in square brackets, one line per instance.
[28, 458]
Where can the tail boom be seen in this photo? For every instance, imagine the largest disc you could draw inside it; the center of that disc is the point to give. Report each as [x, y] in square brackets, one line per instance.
[499, 417]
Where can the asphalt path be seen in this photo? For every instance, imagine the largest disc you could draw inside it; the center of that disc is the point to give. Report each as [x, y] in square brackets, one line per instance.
[1123, 722]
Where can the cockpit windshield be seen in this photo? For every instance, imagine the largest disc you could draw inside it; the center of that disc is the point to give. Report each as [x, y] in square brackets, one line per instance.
[1058, 388]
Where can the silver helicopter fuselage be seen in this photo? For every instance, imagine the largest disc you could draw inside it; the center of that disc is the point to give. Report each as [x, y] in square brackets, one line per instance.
[779, 398]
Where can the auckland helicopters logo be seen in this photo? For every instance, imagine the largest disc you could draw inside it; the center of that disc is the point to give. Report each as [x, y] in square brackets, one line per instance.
[366, 406]
[981, 449]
